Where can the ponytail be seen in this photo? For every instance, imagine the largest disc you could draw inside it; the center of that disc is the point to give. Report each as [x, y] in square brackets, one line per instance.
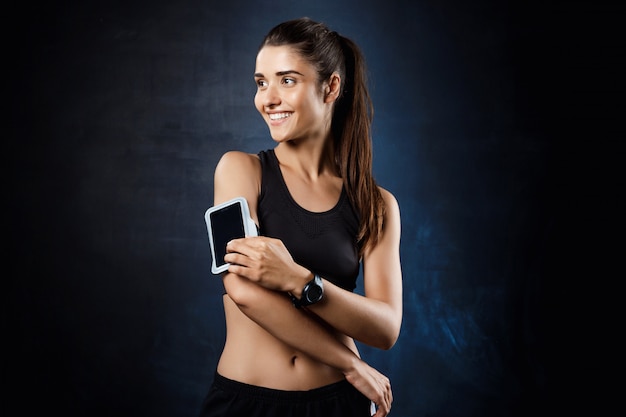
[351, 128]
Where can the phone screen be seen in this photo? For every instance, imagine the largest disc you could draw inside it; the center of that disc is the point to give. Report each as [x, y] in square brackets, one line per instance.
[226, 225]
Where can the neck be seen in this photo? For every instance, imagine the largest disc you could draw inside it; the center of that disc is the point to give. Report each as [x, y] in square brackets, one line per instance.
[312, 160]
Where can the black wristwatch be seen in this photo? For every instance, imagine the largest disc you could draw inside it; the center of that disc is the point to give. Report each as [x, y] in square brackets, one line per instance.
[312, 293]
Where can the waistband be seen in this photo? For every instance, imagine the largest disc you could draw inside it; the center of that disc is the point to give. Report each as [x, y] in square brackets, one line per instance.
[333, 390]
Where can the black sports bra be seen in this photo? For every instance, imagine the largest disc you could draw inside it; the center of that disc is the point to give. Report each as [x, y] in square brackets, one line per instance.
[325, 243]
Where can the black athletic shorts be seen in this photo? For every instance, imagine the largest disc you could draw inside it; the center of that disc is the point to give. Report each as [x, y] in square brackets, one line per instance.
[228, 398]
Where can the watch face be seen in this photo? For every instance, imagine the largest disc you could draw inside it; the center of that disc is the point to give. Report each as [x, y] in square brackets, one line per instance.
[314, 293]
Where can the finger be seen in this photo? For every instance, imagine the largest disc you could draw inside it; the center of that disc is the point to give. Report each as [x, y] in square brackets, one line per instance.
[383, 407]
[247, 245]
[387, 401]
[235, 269]
[386, 391]
[378, 411]
[236, 245]
[237, 259]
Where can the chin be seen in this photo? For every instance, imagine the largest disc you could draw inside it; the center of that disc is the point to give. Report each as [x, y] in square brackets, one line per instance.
[278, 138]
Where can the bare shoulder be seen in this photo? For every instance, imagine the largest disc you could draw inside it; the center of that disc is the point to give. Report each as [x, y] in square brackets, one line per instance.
[237, 174]
[238, 161]
[391, 204]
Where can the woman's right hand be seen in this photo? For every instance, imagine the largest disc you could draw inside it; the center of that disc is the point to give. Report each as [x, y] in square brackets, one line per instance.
[267, 262]
[371, 383]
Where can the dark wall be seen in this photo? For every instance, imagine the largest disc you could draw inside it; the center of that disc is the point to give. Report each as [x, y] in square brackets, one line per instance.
[120, 111]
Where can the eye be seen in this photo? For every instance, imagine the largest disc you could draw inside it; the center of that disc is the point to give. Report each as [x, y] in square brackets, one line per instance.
[261, 83]
[289, 81]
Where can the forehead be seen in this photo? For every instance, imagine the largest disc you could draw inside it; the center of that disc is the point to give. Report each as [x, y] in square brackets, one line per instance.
[272, 59]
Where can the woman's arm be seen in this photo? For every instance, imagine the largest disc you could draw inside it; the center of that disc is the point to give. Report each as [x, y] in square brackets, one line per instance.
[274, 312]
[374, 319]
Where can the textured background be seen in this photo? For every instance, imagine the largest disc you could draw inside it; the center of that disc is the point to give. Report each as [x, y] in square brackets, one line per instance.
[120, 111]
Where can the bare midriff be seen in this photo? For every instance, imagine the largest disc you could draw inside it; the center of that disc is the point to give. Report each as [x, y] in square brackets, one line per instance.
[253, 356]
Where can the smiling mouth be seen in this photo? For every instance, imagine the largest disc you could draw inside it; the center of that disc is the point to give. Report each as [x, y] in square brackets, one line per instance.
[279, 116]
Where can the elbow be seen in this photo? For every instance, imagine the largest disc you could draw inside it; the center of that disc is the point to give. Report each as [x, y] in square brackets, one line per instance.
[391, 332]
[386, 337]
[241, 291]
[388, 340]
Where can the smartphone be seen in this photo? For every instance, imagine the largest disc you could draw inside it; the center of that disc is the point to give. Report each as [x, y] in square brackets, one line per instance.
[225, 222]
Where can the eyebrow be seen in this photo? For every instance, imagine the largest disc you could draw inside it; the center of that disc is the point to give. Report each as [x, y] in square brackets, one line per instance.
[279, 73]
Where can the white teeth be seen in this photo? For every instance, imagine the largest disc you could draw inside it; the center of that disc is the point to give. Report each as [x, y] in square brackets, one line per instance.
[278, 116]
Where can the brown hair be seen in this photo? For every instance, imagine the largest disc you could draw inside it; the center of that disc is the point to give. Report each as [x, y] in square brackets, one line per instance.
[330, 52]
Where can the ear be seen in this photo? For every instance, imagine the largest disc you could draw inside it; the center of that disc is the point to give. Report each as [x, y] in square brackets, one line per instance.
[332, 88]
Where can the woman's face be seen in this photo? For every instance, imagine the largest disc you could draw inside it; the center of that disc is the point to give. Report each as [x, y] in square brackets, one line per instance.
[289, 97]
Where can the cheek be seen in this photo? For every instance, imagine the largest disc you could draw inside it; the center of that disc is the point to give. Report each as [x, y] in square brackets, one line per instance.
[258, 103]
[301, 101]
[315, 103]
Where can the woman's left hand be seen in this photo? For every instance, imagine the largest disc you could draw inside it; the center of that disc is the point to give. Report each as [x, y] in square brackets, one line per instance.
[265, 261]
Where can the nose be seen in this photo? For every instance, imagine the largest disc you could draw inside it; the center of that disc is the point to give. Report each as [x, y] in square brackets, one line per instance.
[271, 98]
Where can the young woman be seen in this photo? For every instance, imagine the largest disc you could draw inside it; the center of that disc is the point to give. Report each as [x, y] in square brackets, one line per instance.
[291, 313]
